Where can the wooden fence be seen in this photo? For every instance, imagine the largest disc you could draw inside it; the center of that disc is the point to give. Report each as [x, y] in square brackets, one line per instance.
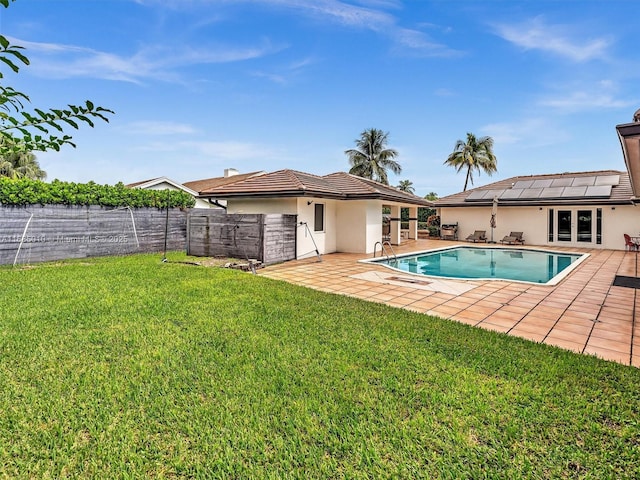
[54, 232]
[37, 233]
[268, 238]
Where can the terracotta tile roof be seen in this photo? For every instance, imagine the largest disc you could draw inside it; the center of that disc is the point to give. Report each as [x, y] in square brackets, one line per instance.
[620, 193]
[292, 183]
[207, 183]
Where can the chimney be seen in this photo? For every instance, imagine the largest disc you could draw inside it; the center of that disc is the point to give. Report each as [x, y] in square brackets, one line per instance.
[230, 172]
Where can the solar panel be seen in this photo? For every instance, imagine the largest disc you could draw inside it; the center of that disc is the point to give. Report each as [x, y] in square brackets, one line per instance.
[531, 193]
[541, 183]
[558, 188]
[562, 182]
[580, 181]
[511, 194]
[494, 193]
[608, 180]
[523, 184]
[552, 192]
[572, 192]
[475, 195]
[599, 191]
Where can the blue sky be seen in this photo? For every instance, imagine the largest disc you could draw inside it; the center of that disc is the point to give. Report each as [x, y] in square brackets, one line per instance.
[203, 85]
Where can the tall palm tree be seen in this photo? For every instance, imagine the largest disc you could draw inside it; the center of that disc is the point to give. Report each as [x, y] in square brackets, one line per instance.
[406, 186]
[476, 154]
[371, 159]
[21, 165]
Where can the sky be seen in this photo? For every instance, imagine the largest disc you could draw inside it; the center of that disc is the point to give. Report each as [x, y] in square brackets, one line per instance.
[198, 86]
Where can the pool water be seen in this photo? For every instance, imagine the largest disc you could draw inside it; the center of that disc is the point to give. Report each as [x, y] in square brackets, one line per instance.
[524, 265]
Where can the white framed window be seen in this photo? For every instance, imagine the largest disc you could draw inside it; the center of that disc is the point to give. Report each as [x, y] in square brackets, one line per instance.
[318, 217]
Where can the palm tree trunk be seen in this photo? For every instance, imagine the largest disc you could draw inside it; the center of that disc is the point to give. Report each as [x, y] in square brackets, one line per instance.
[466, 180]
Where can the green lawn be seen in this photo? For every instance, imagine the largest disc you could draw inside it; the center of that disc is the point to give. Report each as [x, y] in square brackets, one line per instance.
[131, 368]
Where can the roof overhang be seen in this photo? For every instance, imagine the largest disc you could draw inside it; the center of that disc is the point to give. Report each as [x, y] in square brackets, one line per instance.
[329, 196]
[629, 135]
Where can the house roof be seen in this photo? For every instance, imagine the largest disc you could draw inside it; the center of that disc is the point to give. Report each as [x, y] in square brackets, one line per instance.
[208, 183]
[292, 183]
[629, 135]
[611, 187]
[159, 180]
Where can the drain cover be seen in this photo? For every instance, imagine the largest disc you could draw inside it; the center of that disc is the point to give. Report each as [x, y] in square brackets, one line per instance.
[630, 282]
[413, 281]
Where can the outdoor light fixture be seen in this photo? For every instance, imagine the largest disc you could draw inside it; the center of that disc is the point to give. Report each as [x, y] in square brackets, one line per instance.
[309, 202]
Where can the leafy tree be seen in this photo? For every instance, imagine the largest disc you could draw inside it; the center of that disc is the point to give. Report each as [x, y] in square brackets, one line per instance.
[476, 154]
[406, 186]
[432, 196]
[21, 165]
[371, 159]
[22, 131]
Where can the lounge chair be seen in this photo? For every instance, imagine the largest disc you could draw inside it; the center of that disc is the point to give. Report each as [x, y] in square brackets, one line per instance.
[514, 238]
[477, 236]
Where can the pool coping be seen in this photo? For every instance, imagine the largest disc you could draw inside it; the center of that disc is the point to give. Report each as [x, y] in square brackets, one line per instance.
[552, 282]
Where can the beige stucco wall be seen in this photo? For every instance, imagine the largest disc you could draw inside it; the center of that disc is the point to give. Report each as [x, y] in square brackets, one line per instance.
[349, 226]
[358, 226]
[325, 240]
[305, 209]
[533, 221]
[268, 205]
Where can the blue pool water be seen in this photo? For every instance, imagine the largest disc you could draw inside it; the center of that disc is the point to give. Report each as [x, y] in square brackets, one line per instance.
[536, 266]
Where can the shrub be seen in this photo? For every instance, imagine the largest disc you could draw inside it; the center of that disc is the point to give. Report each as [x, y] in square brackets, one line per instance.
[30, 192]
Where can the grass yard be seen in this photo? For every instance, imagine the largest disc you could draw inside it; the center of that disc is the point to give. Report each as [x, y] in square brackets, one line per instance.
[131, 368]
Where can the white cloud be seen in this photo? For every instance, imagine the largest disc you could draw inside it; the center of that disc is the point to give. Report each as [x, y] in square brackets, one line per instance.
[526, 133]
[226, 150]
[572, 98]
[577, 101]
[159, 128]
[535, 34]
[368, 15]
[67, 61]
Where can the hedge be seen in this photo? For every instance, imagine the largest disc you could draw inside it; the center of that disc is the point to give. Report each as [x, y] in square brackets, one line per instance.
[31, 192]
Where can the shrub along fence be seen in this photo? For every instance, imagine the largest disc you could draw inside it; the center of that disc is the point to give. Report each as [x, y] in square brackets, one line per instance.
[268, 238]
[35, 233]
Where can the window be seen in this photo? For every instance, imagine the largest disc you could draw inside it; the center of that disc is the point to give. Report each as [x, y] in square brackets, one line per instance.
[551, 222]
[599, 226]
[318, 220]
[585, 221]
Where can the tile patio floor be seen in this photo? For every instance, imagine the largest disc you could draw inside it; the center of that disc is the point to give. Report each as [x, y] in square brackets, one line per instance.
[583, 313]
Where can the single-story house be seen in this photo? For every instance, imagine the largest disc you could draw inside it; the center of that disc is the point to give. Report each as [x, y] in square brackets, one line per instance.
[584, 209]
[336, 213]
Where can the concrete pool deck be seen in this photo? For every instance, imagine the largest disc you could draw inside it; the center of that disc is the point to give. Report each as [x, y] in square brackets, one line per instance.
[584, 313]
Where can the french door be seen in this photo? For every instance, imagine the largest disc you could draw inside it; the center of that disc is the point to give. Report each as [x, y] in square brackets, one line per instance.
[575, 226]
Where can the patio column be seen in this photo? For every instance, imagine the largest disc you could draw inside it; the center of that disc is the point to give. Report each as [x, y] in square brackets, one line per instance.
[395, 225]
[413, 223]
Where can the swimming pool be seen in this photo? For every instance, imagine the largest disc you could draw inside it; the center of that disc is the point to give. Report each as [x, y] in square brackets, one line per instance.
[514, 264]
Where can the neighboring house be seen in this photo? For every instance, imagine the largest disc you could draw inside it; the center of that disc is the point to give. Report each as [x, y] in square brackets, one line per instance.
[585, 209]
[231, 175]
[193, 188]
[164, 183]
[338, 212]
